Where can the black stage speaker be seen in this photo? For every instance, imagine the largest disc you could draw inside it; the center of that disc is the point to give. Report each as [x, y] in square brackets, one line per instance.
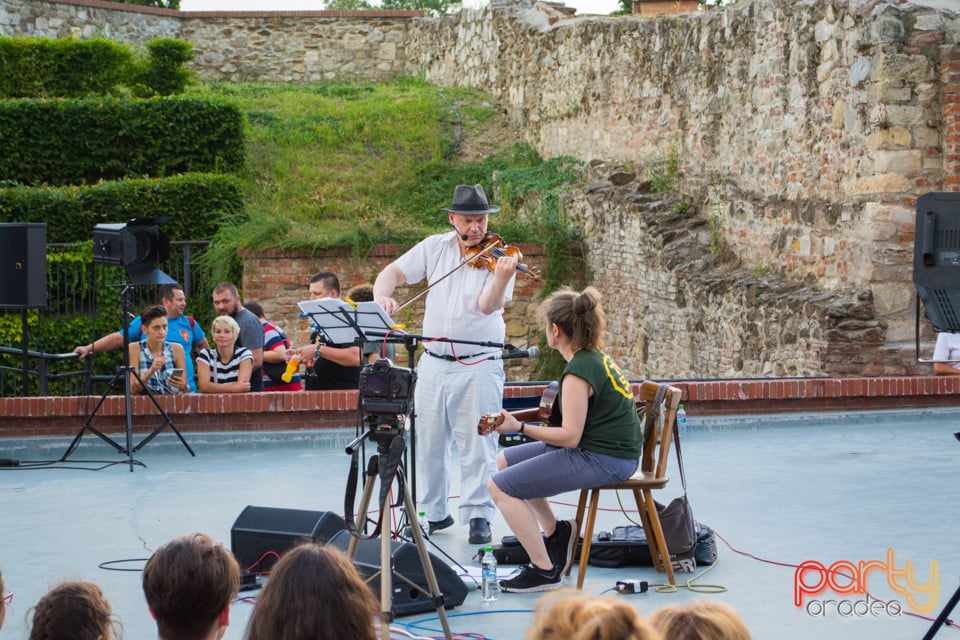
[407, 599]
[936, 258]
[23, 265]
[260, 530]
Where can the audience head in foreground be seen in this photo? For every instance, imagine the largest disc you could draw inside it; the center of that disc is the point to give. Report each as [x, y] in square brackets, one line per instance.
[576, 617]
[700, 620]
[3, 601]
[314, 593]
[73, 611]
[189, 584]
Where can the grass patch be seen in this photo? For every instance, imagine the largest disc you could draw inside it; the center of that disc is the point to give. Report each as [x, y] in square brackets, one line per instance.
[355, 165]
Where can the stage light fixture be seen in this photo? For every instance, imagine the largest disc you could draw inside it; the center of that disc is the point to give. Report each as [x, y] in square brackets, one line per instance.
[137, 245]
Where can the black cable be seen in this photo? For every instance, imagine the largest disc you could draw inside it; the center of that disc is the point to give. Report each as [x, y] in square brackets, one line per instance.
[106, 566]
[32, 465]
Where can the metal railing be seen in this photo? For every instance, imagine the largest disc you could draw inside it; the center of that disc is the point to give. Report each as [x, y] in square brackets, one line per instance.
[77, 382]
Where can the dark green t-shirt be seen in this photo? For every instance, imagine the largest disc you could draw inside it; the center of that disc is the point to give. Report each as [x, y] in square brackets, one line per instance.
[612, 426]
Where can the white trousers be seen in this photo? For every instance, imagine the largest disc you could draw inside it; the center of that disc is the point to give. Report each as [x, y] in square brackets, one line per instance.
[450, 399]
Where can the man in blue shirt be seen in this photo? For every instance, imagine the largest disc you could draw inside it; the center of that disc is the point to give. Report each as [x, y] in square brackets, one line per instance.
[181, 329]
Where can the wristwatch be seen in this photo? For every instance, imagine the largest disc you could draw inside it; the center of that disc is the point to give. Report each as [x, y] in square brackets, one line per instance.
[523, 425]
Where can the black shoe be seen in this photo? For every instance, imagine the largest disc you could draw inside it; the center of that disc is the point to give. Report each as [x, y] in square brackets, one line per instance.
[532, 579]
[479, 531]
[440, 526]
[560, 544]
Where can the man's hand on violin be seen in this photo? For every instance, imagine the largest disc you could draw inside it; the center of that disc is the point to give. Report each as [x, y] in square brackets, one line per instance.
[506, 268]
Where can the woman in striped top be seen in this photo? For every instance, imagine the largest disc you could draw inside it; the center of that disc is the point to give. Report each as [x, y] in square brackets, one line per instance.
[225, 368]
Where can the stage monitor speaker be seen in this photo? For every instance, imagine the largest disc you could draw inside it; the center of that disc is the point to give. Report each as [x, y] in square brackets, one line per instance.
[260, 530]
[936, 258]
[23, 265]
[407, 599]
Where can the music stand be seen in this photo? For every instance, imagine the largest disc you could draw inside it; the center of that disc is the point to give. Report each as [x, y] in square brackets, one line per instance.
[125, 372]
[354, 323]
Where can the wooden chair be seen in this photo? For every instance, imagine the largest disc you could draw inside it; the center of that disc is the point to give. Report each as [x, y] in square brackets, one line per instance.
[650, 475]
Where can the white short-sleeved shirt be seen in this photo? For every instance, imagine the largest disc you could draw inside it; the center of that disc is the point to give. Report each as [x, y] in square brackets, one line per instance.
[948, 348]
[452, 307]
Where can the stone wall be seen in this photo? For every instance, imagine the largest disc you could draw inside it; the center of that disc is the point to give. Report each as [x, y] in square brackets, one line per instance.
[803, 131]
[275, 46]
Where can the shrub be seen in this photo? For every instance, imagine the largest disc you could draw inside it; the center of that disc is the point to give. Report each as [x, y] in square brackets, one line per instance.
[195, 204]
[83, 141]
[163, 73]
[66, 68]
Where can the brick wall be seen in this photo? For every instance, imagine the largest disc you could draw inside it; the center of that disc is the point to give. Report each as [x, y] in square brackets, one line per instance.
[32, 417]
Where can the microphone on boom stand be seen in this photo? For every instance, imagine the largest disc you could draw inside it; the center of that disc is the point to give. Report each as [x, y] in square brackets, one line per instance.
[532, 352]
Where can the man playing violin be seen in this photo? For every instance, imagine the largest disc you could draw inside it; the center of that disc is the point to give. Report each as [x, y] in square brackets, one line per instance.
[456, 383]
[596, 443]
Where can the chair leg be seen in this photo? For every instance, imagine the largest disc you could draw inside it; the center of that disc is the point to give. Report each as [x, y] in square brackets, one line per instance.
[581, 507]
[588, 537]
[658, 535]
[648, 529]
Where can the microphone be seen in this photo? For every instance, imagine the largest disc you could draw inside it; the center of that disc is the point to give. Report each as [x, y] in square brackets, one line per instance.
[532, 352]
[464, 237]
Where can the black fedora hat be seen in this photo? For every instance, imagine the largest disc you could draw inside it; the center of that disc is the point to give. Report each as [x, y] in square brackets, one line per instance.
[470, 201]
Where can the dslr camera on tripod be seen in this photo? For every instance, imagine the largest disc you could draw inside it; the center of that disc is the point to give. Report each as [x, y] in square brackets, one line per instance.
[386, 393]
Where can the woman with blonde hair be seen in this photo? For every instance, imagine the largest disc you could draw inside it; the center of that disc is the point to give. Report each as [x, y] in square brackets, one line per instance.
[700, 620]
[73, 611]
[597, 443]
[588, 618]
[226, 367]
[313, 593]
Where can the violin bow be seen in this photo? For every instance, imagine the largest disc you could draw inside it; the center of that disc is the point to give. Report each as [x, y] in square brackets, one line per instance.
[465, 262]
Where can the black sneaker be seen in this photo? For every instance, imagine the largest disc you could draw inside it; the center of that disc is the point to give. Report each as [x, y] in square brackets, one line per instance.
[440, 525]
[532, 579]
[560, 544]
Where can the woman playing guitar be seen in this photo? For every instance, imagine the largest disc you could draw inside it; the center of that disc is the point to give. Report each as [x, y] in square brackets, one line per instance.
[597, 441]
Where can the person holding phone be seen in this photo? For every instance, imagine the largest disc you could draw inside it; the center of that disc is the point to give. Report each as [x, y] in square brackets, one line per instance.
[160, 363]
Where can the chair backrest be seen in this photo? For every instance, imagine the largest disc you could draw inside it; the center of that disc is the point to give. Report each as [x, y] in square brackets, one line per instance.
[654, 458]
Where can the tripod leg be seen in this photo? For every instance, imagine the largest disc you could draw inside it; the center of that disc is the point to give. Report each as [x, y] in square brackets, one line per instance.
[942, 618]
[424, 562]
[167, 422]
[386, 584]
[371, 480]
[87, 426]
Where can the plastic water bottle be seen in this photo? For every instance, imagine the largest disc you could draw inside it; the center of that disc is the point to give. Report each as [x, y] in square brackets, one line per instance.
[681, 419]
[422, 520]
[489, 585]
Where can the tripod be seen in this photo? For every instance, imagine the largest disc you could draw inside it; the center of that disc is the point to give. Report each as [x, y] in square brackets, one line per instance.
[943, 619]
[125, 372]
[390, 449]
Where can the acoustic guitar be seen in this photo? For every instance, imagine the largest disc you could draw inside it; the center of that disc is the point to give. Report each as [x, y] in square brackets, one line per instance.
[547, 411]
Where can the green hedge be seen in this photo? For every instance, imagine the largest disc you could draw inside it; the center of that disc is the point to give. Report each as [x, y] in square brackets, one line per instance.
[196, 204]
[42, 67]
[82, 141]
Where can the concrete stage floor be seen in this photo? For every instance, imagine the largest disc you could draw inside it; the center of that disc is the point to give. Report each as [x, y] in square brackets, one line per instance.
[788, 489]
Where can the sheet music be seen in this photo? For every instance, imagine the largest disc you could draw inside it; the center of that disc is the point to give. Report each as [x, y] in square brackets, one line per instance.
[341, 323]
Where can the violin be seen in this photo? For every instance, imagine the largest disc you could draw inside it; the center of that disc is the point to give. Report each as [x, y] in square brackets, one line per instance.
[547, 411]
[485, 255]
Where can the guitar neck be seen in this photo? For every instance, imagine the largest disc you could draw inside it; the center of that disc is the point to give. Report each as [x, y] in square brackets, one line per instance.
[527, 415]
